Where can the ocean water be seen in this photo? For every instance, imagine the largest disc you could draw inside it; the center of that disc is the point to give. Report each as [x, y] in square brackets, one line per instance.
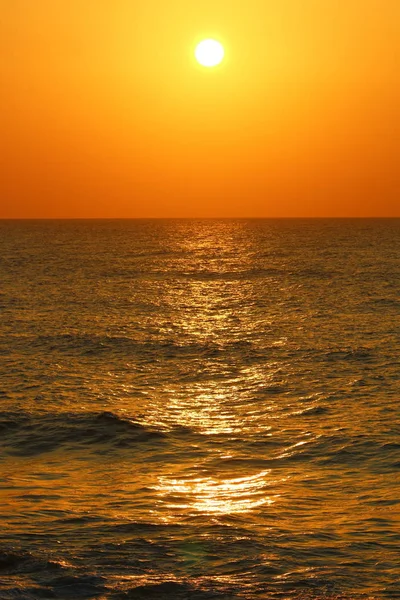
[200, 409]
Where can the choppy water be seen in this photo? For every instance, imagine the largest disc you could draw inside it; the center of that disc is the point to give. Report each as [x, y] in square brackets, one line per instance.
[200, 409]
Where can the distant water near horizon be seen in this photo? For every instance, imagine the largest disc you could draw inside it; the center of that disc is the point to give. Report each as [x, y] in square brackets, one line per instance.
[200, 409]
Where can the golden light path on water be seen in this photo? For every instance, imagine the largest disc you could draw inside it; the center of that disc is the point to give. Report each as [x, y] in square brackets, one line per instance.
[211, 496]
[220, 401]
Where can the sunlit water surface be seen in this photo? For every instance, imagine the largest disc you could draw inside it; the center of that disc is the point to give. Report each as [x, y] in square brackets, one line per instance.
[200, 409]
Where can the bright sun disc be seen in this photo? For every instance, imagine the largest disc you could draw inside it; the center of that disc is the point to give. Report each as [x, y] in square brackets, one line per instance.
[209, 53]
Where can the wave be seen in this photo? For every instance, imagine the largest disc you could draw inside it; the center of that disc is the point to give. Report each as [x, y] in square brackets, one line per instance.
[27, 434]
[66, 586]
[28, 577]
[98, 345]
[346, 450]
[12, 562]
[34, 433]
[173, 347]
[204, 274]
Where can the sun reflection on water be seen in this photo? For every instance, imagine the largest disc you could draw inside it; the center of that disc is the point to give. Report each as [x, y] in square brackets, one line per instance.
[205, 413]
[220, 381]
[210, 496]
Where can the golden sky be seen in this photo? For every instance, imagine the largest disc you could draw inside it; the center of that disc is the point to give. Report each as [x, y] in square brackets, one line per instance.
[104, 111]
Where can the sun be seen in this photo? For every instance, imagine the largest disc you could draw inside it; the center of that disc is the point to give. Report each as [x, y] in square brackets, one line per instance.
[209, 53]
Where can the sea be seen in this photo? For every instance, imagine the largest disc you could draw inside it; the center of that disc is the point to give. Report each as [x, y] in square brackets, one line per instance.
[200, 409]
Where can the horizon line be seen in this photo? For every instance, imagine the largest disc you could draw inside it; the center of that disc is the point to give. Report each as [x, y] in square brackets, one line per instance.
[196, 218]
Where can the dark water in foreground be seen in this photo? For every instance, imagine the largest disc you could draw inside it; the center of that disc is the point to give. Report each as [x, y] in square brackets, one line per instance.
[200, 409]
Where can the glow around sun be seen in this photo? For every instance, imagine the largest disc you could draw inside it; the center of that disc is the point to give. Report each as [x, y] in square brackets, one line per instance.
[209, 53]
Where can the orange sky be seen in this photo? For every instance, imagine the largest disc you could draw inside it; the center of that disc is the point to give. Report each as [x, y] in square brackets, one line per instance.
[105, 113]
